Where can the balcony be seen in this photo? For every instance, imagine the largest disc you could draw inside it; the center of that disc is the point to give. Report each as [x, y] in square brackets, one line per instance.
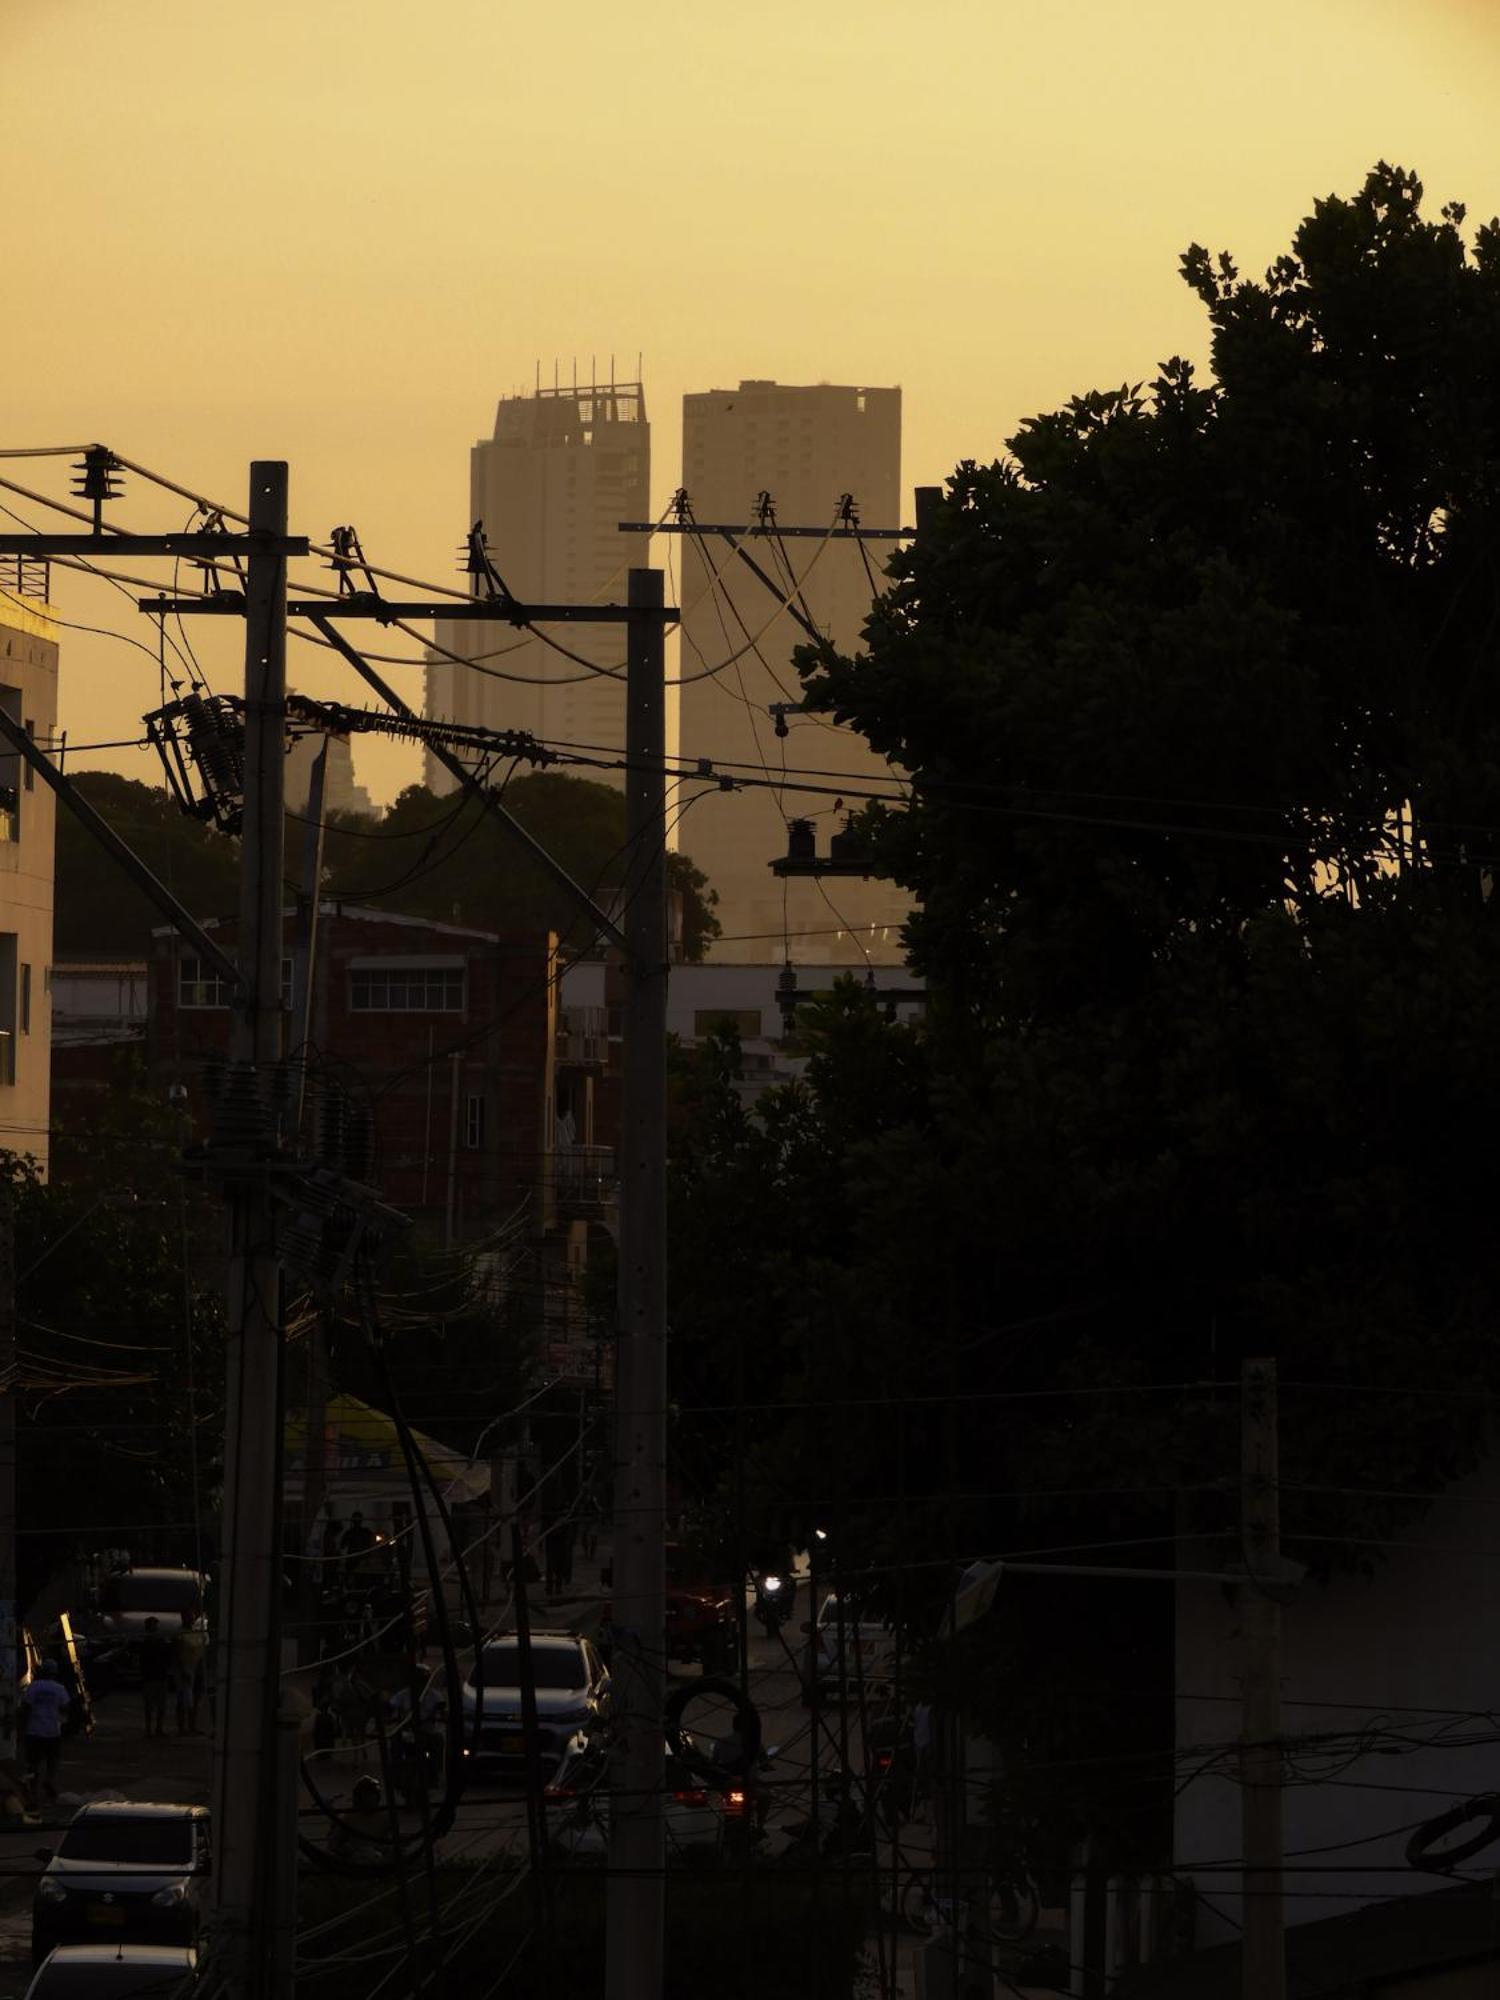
[583, 1035]
[585, 1178]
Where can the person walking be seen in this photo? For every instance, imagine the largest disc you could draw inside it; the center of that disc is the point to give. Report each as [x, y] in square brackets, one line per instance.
[44, 1703]
[156, 1676]
[188, 1649]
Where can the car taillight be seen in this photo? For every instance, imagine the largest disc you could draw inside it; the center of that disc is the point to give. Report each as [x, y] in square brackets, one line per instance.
[694, 1798]
[560, 1792]
[883, 1760]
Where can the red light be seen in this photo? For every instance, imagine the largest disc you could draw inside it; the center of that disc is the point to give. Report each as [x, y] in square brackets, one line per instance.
[883, 1760]
[560, 1792]
[691, 1798]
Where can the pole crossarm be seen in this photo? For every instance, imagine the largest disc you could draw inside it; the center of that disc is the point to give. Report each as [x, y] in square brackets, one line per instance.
[507, 610]
[387, 611]
[772, 531]
[604, 923]
[192, 544]
[100, 829]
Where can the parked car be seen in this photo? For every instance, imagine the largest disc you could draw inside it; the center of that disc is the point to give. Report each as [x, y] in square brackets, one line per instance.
[847, 1647]
[112, 1632]
[123, 1872]
[702, 1619]
[572, 1693]
[114, 1972]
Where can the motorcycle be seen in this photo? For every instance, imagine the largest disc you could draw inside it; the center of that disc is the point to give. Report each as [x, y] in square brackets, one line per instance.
[775, 1595]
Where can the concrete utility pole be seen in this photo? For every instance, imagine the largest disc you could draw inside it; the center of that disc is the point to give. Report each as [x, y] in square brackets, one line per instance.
[1264, 1961]
[635, 1907]
[7, 1470]
[250, 1818]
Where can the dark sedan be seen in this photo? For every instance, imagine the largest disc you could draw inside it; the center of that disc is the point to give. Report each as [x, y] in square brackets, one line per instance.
[123, 1872]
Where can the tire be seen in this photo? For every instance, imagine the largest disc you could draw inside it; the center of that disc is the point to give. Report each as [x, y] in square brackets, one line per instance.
[1014, 1909]
[915, 1906]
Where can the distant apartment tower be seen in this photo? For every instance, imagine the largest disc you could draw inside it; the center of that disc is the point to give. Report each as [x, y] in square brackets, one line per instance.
[28, 693]
[340, 792]
[806, 447]
[563, 469]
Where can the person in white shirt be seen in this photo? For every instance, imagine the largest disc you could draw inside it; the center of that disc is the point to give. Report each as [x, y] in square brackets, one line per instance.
[44, 1703]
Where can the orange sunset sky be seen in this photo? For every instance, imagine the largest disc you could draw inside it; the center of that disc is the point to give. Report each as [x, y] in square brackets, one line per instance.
[335, 233]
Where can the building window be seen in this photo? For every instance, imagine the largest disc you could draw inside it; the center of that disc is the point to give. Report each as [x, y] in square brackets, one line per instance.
[474, 1120]
[10, 985]
[742, 1021]
[25, 999]
[421, 989]
[198, 985]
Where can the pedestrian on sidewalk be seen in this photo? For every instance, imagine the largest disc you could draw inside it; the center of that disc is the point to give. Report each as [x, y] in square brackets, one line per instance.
[44, 1703]
[156, 1676]
[187, 1659]
[559, 1542]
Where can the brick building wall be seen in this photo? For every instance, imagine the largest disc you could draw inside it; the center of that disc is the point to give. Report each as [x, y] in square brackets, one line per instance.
[448, 1034]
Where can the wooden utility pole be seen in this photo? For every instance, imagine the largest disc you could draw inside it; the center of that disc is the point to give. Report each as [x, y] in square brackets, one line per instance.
[636, 1896]
[250, 1818]
[1264, 1960]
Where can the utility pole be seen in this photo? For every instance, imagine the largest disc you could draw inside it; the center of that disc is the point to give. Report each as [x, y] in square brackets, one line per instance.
[315, 1438]
[251, 1818]
[1263, 1974]
[635, 1940]
[7, 1470]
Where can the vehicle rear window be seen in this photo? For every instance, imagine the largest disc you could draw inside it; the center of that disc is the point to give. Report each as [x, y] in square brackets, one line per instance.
[552, 1667]
[107, 1981]
[148, 1843]
[151, 1593]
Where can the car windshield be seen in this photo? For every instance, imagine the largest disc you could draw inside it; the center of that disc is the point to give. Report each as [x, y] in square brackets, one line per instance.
[109, 1979]
[552, 1667]
[148, 1843]
[152, 1593]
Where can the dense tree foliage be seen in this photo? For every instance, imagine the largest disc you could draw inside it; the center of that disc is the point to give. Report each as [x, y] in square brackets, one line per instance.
[120, 1368]
[427, 856]
[1195, 692]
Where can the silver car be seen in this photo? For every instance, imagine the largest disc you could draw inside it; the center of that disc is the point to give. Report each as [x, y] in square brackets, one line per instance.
[572, 1694]
[114, 1972]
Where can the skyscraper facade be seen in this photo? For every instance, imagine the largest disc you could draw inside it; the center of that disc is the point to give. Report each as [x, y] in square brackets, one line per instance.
[564, 467]
[806, 447]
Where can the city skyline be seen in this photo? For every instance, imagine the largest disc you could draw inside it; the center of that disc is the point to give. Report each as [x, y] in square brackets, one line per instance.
[989, 211]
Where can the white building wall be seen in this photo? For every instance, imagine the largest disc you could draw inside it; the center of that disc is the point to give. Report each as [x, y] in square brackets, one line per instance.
[1410, 1657]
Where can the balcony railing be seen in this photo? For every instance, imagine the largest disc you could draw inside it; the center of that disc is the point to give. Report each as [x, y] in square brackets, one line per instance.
[584, 1176]
[583, 1035]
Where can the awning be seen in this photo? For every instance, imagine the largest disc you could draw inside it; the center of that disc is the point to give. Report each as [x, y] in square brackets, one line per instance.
[361, 1442]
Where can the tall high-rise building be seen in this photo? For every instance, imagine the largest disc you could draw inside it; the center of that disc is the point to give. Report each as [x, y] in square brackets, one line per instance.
[806, 447]
[565, 466]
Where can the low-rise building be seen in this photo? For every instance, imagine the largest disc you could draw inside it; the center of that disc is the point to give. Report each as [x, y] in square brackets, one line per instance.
[443, 1032]
[28, 694]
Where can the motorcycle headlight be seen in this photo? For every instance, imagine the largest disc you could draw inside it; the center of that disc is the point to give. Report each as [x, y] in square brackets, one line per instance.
[772, 1585]
[166, 1899]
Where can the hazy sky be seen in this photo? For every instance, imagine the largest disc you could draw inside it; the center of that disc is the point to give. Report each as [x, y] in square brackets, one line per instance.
[334, 232]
